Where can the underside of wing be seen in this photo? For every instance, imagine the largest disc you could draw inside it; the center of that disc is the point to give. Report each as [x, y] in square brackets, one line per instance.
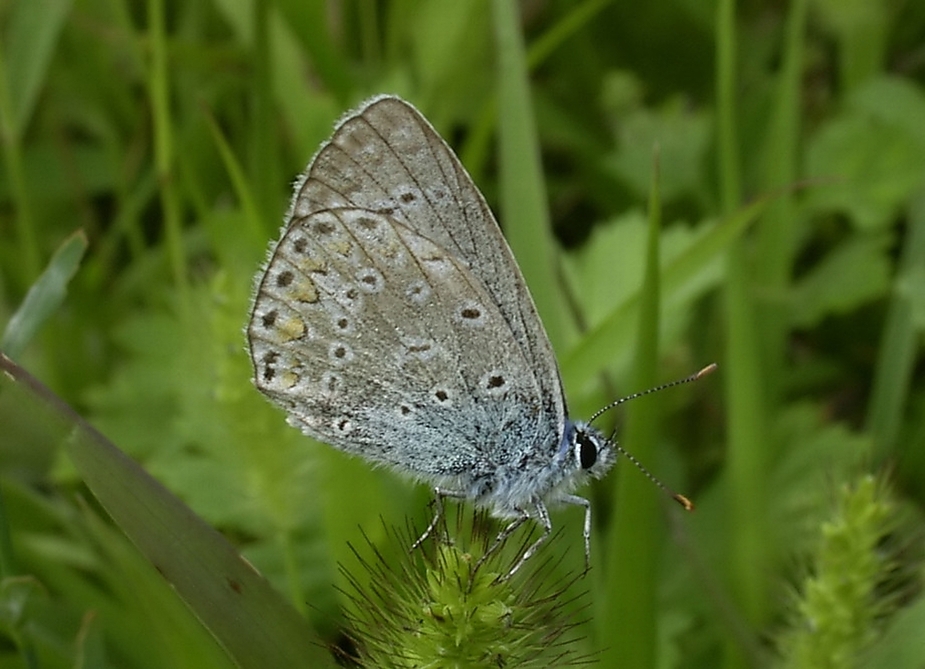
[387, 158]
[380, 342]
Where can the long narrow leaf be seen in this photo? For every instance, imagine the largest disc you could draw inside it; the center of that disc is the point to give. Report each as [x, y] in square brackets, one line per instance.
[249, 619]
[632, 621]
[524, 210]
[45, 295]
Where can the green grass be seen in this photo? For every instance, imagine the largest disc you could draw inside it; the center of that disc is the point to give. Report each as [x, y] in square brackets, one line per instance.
[147, 155]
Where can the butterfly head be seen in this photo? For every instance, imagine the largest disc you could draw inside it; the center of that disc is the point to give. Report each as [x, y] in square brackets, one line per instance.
[593, 453]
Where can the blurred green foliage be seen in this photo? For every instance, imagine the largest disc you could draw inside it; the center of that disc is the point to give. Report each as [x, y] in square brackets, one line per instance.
[791, 149]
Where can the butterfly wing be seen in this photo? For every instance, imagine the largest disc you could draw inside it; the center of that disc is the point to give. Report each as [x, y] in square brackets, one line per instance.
[392, 320]
[387, 157]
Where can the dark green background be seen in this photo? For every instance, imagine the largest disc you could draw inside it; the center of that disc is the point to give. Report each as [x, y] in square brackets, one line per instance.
[169, 132]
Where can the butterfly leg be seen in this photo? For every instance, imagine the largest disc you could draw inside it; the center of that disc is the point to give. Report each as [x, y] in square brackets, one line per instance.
[439, 495]
[501, 538]
[581, 501]
[542, 517]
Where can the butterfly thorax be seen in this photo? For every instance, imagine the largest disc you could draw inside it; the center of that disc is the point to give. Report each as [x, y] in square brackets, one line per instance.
[512, 489]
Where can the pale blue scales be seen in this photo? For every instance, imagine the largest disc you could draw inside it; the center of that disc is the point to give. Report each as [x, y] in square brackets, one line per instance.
[392, 322]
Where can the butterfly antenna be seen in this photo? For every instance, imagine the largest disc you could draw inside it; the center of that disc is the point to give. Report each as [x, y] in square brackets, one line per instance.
[676, 496]
[696, 376]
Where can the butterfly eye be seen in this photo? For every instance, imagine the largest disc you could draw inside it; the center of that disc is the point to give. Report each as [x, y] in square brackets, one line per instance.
[587, 454]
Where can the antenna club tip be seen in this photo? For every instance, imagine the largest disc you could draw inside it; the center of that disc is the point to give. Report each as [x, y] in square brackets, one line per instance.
[709, 369]
[683, 501]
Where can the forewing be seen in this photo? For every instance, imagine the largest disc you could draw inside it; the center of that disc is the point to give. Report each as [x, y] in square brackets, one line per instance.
[381, 343]
[387, 158]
